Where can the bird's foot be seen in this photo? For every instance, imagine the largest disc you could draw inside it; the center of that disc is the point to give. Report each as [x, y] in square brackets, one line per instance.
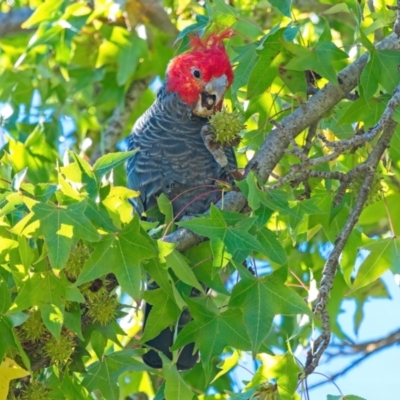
[213, 146]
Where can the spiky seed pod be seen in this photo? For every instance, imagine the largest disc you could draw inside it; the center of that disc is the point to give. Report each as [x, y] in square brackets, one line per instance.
[79, 255]
[59, 351]
[35, 391]
[102, 309]
[94, 289]
[376, 192]
[33, 328]
[227, 126]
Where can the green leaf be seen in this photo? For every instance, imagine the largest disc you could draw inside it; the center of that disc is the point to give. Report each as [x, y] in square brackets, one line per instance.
[165, 207]
[58, 226]
[365, 110]
[261, 299]
[26, 253]
[98, 342]
[53, 318]
[276, 253]
[337, 8]
[44, 12]
[384, 254]
[382, 68]
[128, 58]
[266, 68]
[206, 329]
[5, 298]
[18, 179]
[165, 312]
[110, 161]
[175, 387]
[8, 339]
[251, 188]
[347, 397]
[227, 364]
[245, 60]
[103, 375]
[72, 319]
[80, 171]
[121, 254]
[200, 257]
[224, 239]
[283, 369]
[73, 389]
[49, 293]
[319, 59]
[283, 6]
[98, 215]
[222, 13]
[177, 262]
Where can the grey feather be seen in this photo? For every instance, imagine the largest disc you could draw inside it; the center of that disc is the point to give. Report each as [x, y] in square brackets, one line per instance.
[173, 159]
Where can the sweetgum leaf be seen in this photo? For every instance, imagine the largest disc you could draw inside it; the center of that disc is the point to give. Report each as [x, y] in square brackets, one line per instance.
[226, 241]
[175, 387]
[384, 254]
[261, 299]
[212, 330]
[177, 262]
[164, 312]
[121, 254]
[282, 368]
[110, 161]
[102, 375]
[49, 293]
[283, 6]
[81, 172]
[58, 226]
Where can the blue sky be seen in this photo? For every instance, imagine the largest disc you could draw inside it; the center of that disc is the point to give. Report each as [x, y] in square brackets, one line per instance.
[377, 378]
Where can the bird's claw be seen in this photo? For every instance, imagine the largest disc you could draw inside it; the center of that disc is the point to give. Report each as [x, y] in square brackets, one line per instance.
[213, 146]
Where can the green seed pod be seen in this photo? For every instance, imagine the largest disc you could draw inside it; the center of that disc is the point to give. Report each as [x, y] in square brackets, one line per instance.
[33, 328]
[36, 391]
[227, 126]
[59, 351]
[102, 309]
[79, 255]
[376, 192]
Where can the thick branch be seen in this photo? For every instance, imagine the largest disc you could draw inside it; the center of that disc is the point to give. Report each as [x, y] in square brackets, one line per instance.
[10, 22]
[313, 110]
[120, 117]
[279, 139]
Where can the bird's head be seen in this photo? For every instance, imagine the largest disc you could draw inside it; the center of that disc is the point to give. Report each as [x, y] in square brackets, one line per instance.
[201, 76]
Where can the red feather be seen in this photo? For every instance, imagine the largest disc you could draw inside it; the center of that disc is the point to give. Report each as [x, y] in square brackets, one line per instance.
[211, 41]
[206, 54]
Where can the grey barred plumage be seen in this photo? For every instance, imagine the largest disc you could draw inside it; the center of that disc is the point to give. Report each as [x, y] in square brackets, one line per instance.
[172, 158]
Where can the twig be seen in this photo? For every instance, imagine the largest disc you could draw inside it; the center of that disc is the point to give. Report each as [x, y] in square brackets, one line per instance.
[312, 131]
[332, 262]
[367, 348]
[275, 144]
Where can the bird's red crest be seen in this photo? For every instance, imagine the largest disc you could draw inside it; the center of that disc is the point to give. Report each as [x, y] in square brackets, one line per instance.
[207, 55]
[214, 39]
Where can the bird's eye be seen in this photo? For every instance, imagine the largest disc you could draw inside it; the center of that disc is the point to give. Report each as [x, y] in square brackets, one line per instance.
[196, 73]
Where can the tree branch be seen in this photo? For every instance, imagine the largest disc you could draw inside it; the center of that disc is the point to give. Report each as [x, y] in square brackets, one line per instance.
[277, 142]
[367, 349]
[388, 125]
[120, 117]
[10, 22]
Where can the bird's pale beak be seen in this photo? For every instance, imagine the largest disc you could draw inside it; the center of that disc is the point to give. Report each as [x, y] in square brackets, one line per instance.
[211, 97]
